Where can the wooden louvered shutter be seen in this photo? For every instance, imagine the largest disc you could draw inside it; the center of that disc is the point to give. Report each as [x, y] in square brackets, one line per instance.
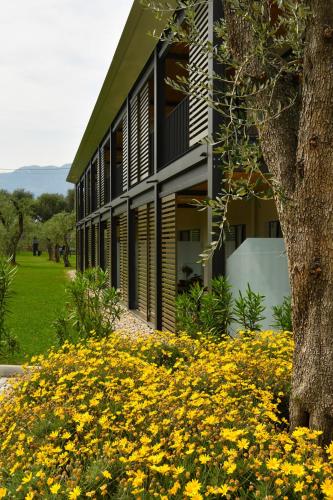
[151, 263]
[92, 246]
[142, 260]
[101, 177]
[81, 250]
[86, 248]
[78, 249]
[144, 132]
[198, 107]
[169, 269]
[125, 153]
[97, 245]
[107, 257]
[98, 182]
[86, 193]
[123, 240]
[89, 229]
[134, 141]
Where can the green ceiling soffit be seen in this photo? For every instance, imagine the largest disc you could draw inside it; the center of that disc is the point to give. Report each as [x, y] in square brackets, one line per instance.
[133, 51]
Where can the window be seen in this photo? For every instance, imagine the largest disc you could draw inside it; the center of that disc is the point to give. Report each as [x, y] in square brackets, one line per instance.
[234, 237]
[189, 235]
[274, 229]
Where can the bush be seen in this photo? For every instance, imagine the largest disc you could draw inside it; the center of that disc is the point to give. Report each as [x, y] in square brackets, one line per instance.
[92, 307]
[159, 416]
[248, 310]
[283, 315]
[207, 312]
[8, 343]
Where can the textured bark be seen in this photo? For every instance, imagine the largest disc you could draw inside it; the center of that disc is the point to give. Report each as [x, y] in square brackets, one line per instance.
[298, 149]
[17, 235]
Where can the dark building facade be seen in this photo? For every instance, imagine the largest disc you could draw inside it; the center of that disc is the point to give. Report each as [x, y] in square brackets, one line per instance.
[140, 165]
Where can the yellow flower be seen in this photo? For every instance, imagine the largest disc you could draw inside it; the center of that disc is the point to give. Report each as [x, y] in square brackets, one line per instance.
[55, 488]
[106, 474]
[3, 492]
[299, 486]
[74, 494]
[192, 488]
[27, 478]
[175, 488]
[327, 488]
[203, 459]
[243, 444]
[273, 464]
[70, 446]
[29, 496]
[229, 467]
[298, 470]
[223, 490]
[138, 478]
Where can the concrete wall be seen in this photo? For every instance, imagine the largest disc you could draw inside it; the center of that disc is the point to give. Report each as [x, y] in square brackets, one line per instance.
[262, 263]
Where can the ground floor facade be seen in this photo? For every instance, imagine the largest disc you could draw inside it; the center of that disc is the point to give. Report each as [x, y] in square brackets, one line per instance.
[150, 241]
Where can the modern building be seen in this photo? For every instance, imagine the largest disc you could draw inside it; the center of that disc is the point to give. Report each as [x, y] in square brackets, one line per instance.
[142, 162]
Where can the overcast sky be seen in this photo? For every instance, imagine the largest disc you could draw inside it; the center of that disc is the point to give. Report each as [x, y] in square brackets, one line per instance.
[54, 55]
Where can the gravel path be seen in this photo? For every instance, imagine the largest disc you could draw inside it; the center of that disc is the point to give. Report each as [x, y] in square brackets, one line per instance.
[3, 384]
[131, 323]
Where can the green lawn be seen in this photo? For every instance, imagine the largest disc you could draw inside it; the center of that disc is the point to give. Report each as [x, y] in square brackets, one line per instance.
[39, 294]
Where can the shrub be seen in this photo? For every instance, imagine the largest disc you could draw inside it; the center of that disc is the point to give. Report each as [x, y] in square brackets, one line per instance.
[248, 310]
[92, 306]
[125, 417]
[216, 309]
[205, 312]
[187, 310]
[8, 342]
[282, 315]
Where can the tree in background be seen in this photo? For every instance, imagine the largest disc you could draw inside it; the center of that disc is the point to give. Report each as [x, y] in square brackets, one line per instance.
[273, 62]
[59, 230]
[15, 210]
[49, 204]
[70, 200]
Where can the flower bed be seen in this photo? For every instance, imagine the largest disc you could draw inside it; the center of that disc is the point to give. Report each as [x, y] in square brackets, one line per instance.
[159, 417]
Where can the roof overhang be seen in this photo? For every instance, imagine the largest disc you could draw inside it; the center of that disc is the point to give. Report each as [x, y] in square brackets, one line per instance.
[132, 53]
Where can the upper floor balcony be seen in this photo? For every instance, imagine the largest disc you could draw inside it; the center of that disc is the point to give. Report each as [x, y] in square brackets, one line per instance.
[156, 126]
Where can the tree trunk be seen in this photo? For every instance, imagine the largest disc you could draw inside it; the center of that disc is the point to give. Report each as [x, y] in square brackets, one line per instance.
[56, 253]
[50, 251]
[309, 234]
[298, 149]
[66, 255]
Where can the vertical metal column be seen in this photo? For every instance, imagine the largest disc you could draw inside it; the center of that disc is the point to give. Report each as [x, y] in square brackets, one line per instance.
[158, 268]
[216, 266]
[131, 257]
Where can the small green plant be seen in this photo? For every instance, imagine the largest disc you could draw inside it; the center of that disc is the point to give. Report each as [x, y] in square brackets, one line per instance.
[187, 310]
[216, 308]
[282, 315]
[249, 310]
[92, 307]
[207, 312]
[63, 328]
[8, 343]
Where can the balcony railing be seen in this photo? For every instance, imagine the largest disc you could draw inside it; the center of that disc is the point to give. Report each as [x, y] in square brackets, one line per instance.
[176, 133]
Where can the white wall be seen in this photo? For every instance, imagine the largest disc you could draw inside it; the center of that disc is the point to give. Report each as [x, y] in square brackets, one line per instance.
[262, 263]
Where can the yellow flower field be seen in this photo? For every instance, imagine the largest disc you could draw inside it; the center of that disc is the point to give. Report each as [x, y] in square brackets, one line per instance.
[159, 417]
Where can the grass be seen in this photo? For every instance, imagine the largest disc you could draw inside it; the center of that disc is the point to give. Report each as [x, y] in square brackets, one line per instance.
[39, 293]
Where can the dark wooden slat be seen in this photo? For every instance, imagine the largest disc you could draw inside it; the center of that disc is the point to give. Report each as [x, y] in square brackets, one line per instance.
[168, 265]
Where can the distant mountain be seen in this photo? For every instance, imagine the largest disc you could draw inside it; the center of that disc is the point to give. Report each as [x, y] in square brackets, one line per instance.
[37, 179]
